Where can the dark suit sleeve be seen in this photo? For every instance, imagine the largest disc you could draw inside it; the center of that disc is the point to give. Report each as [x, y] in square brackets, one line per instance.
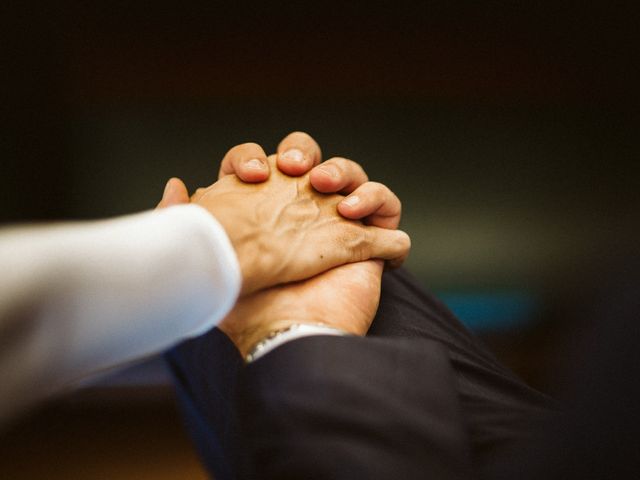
[497, 407]
[418, 369]
[348, 408]
[205, 372]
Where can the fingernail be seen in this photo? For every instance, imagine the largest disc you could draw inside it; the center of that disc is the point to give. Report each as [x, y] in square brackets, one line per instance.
[329, 170]
[352, 200]
[254, 164]
[294, 155]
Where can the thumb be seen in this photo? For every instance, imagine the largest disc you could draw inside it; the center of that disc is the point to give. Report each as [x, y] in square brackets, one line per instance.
[175, 193]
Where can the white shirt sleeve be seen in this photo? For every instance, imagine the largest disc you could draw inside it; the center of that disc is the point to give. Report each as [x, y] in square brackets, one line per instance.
[81, 297]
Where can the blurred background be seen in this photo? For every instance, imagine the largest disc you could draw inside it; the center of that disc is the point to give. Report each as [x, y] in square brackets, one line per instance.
[508, 129]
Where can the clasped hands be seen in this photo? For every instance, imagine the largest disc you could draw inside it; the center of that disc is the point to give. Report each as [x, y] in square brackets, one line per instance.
[307, 253]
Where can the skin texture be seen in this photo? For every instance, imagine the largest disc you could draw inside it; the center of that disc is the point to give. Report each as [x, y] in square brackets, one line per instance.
[346, 296]
[283, 230]
[297, 154]
[376, 204]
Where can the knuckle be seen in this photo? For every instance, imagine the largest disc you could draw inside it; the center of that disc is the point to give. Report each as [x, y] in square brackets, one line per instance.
[360, 171]
[248, 148]
[384, 195]
[354, 168]
[346, 168]
[296, 138]
[343, 162]
[378, 188]
[356, 240]
[337, 164]
[300, 134]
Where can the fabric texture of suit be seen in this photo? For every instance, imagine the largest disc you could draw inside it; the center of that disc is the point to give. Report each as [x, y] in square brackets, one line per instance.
[418, 396]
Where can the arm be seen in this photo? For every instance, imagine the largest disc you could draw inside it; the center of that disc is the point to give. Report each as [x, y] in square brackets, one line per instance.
[325, 406]
[311, 419]
[78, 298]
[313, 396]
[340, 407]
[205, 390]
[349, 407]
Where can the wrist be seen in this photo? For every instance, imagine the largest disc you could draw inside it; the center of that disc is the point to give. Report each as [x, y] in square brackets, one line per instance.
[251, 248]
[253, 267]
[246, 338]
[281, 336]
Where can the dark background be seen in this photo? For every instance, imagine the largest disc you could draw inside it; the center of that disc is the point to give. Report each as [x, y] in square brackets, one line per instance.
[508, 129]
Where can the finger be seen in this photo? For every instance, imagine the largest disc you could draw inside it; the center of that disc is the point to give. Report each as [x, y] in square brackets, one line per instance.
[337, 175]
[298, 153]
[175, 193]
[390, 245]
[248, 161]
[374, 202]
[353, 242]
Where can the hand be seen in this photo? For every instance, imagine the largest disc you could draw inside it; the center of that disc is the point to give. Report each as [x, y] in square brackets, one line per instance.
[345, 298]
[296, 155]
[283, 230]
